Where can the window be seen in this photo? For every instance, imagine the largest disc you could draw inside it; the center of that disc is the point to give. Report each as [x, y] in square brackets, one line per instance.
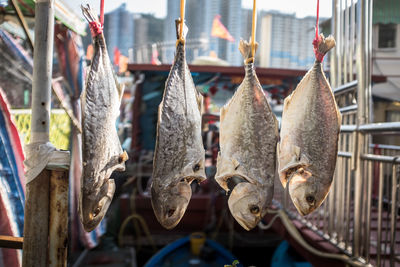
[387, 36]
[393, 115]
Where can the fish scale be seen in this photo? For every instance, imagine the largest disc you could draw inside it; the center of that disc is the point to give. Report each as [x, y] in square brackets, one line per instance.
[179, 153]
[101, 149]
[248, 138]
[309, 136]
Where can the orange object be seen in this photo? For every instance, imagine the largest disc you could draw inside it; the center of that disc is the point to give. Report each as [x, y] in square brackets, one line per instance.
[117, 55]
[89, 52]
[220, 31]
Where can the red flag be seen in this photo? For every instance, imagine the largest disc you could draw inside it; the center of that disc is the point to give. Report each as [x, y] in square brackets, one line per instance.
[220, 31]
[117, 55]
[154, 56]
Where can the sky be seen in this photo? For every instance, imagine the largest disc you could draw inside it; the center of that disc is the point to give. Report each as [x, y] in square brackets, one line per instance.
[302, 8]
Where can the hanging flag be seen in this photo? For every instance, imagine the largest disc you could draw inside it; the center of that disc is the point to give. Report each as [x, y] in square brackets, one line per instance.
[117, 55]
[154, 55]
[220, 31]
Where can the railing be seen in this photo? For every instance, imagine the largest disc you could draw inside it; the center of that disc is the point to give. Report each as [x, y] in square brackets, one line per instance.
[360, 215]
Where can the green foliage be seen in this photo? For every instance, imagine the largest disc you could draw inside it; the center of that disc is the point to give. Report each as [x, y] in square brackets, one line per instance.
[60, 128]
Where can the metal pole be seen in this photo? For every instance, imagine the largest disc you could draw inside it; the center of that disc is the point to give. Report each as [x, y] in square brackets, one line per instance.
[360, 138]
[37, 191]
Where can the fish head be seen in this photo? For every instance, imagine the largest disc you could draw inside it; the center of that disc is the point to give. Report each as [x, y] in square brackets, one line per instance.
[305, 191]
[170, 203]
[94, 205]
[248, 204]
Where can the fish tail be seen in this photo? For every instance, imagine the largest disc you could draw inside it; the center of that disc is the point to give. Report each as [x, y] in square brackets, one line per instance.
[322, 45]
[185, 29]
[94, 24]
[245, 50]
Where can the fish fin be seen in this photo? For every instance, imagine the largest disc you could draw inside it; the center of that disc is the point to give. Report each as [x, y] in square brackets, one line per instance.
[121, 89]
[322, 45]
[185, 29]
[123, 157]
[222, 113]
[245, 49]
[199, 99]
[236, 163]
[111, 188]
[339, 117]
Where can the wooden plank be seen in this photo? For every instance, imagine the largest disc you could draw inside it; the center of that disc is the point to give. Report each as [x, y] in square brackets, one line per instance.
[11, 242]
[36, 221]
[58, 218]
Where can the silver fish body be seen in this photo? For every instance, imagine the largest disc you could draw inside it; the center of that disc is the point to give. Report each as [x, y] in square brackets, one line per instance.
[309, 138]
[101, 149]
[248, 138]
[179, 153]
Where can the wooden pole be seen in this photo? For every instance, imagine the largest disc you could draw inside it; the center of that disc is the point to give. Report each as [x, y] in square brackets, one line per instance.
[37, 191]
[58, 218]
[23, 22]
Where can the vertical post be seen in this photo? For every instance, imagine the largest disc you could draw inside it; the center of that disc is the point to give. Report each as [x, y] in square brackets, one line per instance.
[363, 94]
[333, 57]
[37, 191]
[58, 218]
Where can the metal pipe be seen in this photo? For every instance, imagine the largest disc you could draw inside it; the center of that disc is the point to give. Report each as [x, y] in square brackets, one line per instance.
[368, 203]
[380, 201]
[352, 38]
[345, 43]
[393, 215]
[351, 108]
[339, 43]
[383, 146]
[348, 128]
[333, 55]
[42, 70]
[37, 191]
[381, 158]
[345, 88]
[381, 127]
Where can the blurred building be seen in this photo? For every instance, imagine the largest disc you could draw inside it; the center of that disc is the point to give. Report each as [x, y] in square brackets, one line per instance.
[199, 19]
[119, 30]
[286, 41]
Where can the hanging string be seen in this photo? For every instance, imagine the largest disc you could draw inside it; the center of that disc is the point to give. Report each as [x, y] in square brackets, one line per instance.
[253, 31]
[318, 39]
[182, 21]
[317, 22]
[102, 12]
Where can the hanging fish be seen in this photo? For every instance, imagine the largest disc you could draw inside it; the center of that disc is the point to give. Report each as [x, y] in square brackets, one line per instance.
[101, 149]
[309, 136]
[179, 153]
[248, 138]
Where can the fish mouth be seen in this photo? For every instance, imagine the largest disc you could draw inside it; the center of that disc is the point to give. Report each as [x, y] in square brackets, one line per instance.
[169, 205]
[246, 224]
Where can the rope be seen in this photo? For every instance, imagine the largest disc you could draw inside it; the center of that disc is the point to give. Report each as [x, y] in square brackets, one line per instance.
[181, 23]
[253, 33]
[292, 230]
[102, 12]
[318, 39]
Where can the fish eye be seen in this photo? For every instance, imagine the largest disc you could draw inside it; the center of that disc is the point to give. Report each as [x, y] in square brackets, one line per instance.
[196, 167]
[301, 171]
[170, 212]
[96, 211]
[182, 180]
[254, 209]
[310, 200]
